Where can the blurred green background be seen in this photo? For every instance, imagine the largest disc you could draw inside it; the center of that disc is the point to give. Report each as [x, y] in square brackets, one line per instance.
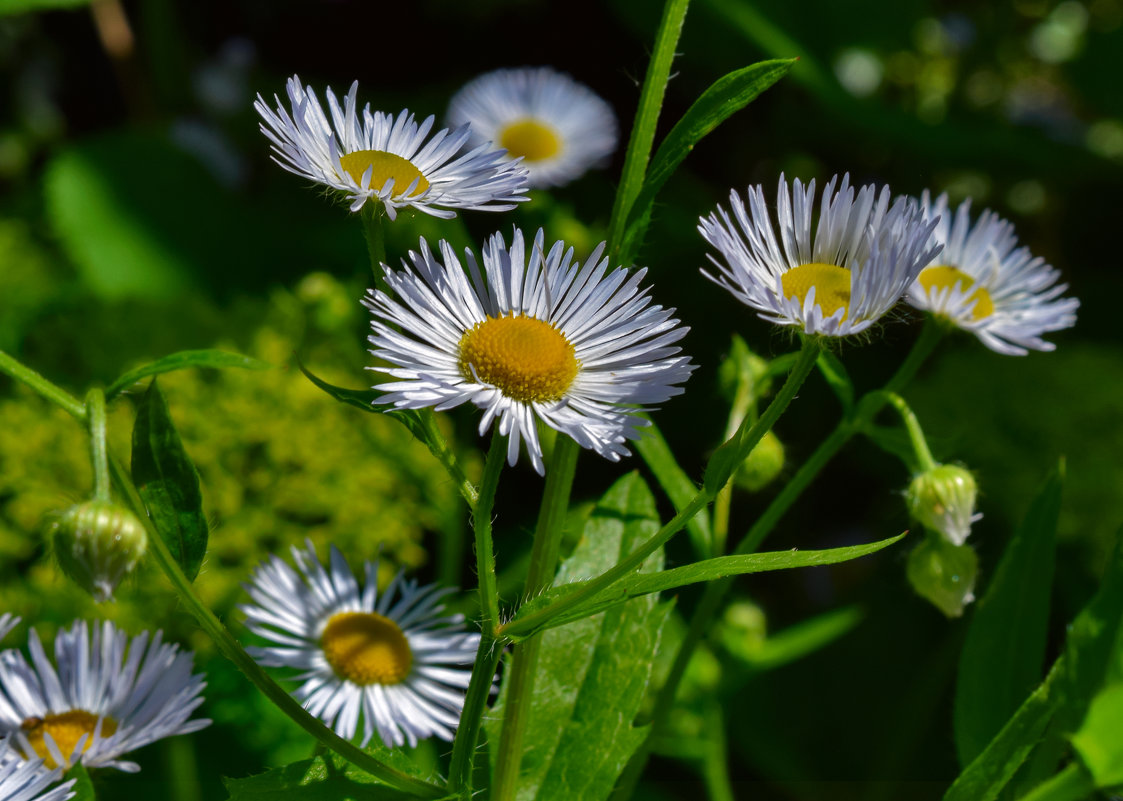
[140, 214]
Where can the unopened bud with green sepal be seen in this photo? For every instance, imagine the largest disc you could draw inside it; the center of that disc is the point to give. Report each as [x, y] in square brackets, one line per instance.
[942, 499]
[98, 543]
[762, 465]
[944, 573]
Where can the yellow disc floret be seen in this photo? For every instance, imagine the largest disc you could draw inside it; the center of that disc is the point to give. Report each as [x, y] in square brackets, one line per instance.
[66, 729]
[366, 648]
[945, 276]
[527, 359]
[530, 139]
[383, 167]
[832, 286]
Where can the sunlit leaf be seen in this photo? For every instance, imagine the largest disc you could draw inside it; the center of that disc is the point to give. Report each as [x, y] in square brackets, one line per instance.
[182, 360]
[322, 778]
[167, 481]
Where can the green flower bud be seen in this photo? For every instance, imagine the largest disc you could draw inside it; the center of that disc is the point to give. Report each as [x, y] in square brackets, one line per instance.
[97, 543]
[743, 630]
[944, 574]
[762, 465]
[943, 500]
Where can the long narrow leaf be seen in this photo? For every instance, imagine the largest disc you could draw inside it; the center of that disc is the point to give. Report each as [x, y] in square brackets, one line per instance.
[674, 481]
[182, 360]
[726, 96]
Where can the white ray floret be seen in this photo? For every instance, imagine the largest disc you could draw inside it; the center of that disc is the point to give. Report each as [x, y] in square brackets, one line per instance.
[373, 156]
[836, 276]
[108, 696]
[984, 283]
[29, 780]
[393, 660]
[8, 622]
[558, 126]
[534, 335]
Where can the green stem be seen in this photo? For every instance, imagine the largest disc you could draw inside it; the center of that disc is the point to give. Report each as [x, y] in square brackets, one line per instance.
[920, 449]
[99, 458]
[930, 335]
[481, 522]
[743, 401]
[715, 768]
[540, 573]
[647, 116]
[371, 215]
[55, 394]
[444, 454]
[1071, 784]
[233, 651]
[471, 718]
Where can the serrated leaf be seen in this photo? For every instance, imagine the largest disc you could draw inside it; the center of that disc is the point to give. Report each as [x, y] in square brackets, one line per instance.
[1002, 657]
[167, 481]
[837, 379]
[592, 674]
[1089, 654]
[184, 359]
[1100, 740]
[322, 778]
[637, 585]
[672, 478]
[726, 96]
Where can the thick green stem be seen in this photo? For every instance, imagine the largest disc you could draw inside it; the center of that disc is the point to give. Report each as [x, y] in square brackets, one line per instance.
[647, 116]
[56, 395]
[371, 215]
[233, 651]
[540, 573]
[1071, 784]
[481, 523]
[471, 718]
[99, 458]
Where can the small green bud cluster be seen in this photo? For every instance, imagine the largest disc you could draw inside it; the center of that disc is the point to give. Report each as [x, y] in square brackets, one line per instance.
[942, 499]
[97, 543]
[943, 568]
[762, 465]
[944, 573]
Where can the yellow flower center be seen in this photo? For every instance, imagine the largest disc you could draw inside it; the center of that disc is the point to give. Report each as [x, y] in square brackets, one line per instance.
[530, 139]
[383, 167]
[945, 276]
[832, 286]
[66, 729]
[366, 648]
[527, 359]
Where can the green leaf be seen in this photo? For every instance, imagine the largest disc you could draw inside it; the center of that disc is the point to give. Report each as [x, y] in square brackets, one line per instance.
[804, 638]
[674, 481]
[593, 674]
[1100, 740]
[364, 399]
[83, 787]
[168, 483]
[837, 379]
[1002, 657]
[25, 6]
[182, 360]
[322, 778]
[726, 96]
[636, 585]
[1090, 652]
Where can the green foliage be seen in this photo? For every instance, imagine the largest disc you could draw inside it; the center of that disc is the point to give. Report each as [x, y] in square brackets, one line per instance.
[29, 278]
[322, 778]
[676, 483]
[183, 360]
[167, 481]
[27, 6]
[594, 673]
[83, 787]
[1098, 742]
[943, 573]
[838, 379]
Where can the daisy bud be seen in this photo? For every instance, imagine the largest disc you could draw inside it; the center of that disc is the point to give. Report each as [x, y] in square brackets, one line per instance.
[943, 500]
[944, 574]
[762, 465]
[97, 543]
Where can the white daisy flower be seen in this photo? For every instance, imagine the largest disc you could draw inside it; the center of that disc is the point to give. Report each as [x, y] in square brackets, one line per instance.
[110, 695]
[393, 659]
[984, 283]
[8, 622]
[865, 254]
[535, 336]
[391, 159]
[23, 780]
[558, 126]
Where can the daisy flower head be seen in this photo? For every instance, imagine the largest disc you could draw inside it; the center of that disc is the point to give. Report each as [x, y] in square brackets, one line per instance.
[393, 659]
[836, 276]
[110, 695]
[24, 780]
[386, 158]
[532, 336]
[558, 126]
[984, 283]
